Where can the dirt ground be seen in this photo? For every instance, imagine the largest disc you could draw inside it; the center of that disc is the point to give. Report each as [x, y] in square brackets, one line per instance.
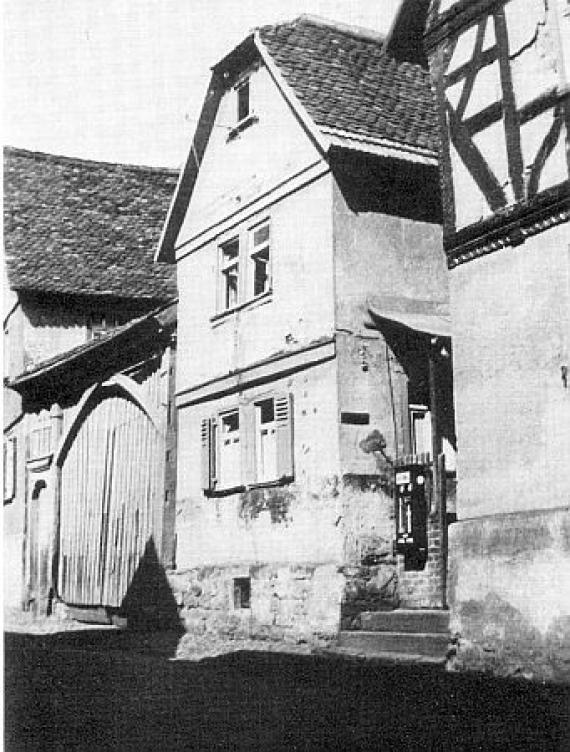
[85, 688]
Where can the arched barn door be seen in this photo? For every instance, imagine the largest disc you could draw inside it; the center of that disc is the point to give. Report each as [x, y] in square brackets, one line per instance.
[110, 501]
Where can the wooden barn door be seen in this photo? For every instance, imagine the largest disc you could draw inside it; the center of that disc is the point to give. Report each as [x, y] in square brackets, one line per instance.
[111, 489]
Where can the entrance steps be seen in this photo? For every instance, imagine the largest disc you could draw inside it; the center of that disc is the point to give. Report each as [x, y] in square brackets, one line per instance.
[404, 634]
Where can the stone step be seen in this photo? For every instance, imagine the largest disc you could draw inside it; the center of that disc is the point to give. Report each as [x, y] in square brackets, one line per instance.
[413, 644]
[406, 620]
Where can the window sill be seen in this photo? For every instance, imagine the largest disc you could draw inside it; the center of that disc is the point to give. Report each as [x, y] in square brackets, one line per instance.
[219, 492]
[270, 483]
[265, 297]
[242, 125]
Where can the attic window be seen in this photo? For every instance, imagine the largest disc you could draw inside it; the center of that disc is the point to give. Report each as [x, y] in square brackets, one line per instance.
[244, 113]
[243, 100]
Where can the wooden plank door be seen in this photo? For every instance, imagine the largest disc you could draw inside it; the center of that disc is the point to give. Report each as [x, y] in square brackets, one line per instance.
[111, 481]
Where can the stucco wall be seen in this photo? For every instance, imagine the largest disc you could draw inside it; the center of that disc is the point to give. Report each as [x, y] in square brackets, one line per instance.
[298, 311]
[236, 171]
[508, 582]
[512, 328]
[55, 324]
[387, 239]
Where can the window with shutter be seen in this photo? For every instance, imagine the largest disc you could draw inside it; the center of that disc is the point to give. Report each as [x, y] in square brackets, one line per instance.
[284, 435]
[229, 452]
[208, 454]
[9, 469]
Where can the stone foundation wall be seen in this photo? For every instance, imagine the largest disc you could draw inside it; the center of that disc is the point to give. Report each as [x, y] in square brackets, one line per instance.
[369, 568]
[298, 603]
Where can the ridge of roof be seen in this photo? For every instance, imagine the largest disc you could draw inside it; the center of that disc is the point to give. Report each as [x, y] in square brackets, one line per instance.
[353, 30]
[347, 81]
[42, 156]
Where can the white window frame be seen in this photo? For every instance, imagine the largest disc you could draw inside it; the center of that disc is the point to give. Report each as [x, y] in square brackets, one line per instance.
[229, 265]
[257, 251]
[233, 479]
[263, 464]
[425, 413]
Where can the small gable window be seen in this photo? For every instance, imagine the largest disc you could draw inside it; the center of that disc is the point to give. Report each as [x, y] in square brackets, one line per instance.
[243, 109]
[100, 324]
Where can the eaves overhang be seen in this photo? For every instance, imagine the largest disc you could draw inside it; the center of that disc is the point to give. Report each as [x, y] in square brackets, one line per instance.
[148, 328]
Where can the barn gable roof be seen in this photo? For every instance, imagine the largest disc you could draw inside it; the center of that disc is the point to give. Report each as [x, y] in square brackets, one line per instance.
[77, 227]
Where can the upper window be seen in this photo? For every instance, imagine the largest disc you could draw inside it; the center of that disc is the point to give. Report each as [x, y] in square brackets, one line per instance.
[260, 259]
[251, 252]
[100, 324]
[229, 266]
[243, 104]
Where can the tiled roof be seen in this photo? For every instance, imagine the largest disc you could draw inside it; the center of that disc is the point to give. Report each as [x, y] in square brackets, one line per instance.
[345, 81]
[78, 227]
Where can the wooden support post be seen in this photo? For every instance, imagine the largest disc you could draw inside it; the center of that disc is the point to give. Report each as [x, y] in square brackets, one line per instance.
[56, 420]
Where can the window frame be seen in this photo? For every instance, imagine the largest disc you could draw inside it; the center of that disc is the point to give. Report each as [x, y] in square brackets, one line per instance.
[219, 452]
[248, 439]
[255, 250]
[227, 266]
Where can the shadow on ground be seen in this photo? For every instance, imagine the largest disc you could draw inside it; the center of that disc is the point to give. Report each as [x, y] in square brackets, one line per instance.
[83, 691]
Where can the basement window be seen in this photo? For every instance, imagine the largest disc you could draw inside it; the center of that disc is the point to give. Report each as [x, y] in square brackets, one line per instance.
[242, 592]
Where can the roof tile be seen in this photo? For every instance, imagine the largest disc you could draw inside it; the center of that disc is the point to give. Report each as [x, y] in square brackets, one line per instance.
[78, 227]
[346, 81]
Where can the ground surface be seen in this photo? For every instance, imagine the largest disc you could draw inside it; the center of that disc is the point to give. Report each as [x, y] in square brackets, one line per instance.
[99, 689]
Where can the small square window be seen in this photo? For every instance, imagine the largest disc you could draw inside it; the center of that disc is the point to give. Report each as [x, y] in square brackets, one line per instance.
[243, 110]
[242, 592]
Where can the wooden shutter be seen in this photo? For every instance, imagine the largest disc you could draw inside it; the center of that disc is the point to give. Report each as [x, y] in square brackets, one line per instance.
[248, 438]
[284, 429]
[208, 453]
[9, 468]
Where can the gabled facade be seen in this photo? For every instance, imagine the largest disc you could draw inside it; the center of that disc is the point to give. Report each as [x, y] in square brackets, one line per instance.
[306, 233]
[500, 70]
[79, 239]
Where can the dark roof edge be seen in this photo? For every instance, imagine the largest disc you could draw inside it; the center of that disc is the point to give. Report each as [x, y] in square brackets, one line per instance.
[189, 173]
[40, 156]
[164, 317]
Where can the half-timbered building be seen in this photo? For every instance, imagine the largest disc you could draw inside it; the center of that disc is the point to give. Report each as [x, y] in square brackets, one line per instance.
[500, 70]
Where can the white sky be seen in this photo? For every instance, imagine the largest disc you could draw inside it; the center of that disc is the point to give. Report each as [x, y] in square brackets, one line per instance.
[123, 80]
